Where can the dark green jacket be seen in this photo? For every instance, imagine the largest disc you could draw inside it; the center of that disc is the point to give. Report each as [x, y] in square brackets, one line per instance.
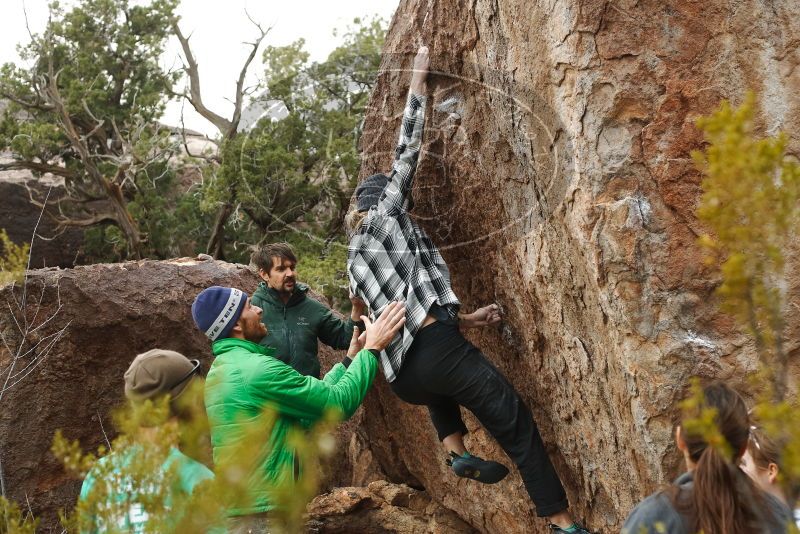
[244, 381]
[293, 328]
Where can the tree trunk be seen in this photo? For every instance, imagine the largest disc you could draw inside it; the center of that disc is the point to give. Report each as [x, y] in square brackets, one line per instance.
[111, 187]
[124, 219]
[217, 240]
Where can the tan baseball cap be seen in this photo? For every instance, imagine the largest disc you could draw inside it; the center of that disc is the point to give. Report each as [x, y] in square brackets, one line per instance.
[159, 372]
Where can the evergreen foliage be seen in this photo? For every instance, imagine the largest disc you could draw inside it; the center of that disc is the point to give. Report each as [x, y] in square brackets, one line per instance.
[87, 109]
[751, 202]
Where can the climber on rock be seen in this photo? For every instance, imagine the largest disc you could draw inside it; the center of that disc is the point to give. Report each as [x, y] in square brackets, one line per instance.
[431, 363]
[246, 381]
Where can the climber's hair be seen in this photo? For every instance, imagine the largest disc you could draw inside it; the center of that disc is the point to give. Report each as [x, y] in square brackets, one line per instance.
[353, 220]
[262, 256]
[724, 499]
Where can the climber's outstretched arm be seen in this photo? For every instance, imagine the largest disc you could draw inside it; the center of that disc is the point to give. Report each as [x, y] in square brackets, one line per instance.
[395, 194]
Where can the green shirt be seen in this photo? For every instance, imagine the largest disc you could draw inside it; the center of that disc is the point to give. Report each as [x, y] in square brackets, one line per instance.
[246, 382]
[112, 469]
[294, 327]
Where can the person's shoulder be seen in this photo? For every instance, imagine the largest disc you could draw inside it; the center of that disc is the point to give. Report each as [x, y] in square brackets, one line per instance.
[312, 304]
[100, 465]
[236, 359]
[191, 471]
[261, 292]
[779, 509]
[262, 367]
[655, 514]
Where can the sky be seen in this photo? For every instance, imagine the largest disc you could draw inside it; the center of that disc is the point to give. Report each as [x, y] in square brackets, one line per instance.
[218, 29]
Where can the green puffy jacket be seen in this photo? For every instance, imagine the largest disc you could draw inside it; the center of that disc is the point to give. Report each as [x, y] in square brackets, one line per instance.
[293, 328]
[246, 379]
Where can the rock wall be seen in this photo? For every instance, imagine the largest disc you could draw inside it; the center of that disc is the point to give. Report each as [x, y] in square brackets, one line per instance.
[558, 181]
[76, 331]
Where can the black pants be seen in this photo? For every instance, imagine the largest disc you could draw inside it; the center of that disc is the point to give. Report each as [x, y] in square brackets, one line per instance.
[442, 370]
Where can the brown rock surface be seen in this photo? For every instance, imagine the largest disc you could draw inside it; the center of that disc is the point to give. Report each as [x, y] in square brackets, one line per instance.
[84, 327]
[382, 507]
[558, 181]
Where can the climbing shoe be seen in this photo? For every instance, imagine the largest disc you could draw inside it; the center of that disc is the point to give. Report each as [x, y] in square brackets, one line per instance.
[468, 466]
[575, 528]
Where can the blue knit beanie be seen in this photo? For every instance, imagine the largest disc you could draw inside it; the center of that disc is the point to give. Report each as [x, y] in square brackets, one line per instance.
[216, 310]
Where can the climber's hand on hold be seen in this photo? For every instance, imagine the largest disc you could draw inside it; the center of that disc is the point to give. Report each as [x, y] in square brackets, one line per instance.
[420, 71]
[486, 316]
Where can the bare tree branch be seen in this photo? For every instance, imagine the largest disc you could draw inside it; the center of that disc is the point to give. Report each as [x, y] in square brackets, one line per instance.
[30, 255]
[97, 219]
[215, 158]
[40, 106]
[223, 125]
[100, 418]
[237, 109]
[217, 239]
[227, 128]
[37, 167]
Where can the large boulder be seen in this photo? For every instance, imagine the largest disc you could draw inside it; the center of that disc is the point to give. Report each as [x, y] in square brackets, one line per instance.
[557, 179]
[74, 332]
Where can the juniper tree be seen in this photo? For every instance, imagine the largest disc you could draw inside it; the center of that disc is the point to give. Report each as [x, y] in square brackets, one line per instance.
[86, 108]
[296, 167]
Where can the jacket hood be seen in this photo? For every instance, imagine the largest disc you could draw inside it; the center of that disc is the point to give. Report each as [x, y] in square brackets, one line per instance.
[270, 295]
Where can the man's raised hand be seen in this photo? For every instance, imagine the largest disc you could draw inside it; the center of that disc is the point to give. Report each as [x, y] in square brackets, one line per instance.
[420, 71]
[358, 309]
[380, 333]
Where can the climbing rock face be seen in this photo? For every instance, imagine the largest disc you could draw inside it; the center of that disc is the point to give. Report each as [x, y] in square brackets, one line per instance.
[74, 332]
[557, 179]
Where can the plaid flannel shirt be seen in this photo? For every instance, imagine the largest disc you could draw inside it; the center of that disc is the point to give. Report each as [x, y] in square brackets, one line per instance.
[391, 258]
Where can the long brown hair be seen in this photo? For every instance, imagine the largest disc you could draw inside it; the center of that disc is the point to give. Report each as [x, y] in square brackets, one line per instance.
[724, 500]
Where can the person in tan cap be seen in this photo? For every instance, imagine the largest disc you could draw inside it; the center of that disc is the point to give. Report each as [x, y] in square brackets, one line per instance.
[151, 376]
[159, 372]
